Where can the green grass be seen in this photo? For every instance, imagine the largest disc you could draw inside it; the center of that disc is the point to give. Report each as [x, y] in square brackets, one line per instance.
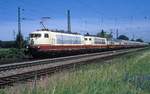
[128, 74]
[11, 54]
[4, 49]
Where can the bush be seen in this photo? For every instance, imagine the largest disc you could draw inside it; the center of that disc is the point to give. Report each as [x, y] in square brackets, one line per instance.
[12, 53]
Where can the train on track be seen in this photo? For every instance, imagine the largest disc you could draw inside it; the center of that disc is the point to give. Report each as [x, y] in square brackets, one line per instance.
[48, 43]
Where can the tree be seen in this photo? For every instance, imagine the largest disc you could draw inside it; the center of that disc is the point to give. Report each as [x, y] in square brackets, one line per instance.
[103, 34]
[87, 34]
[19, 41]
[0, 43]
[7, 44]
[132, 39]
[26, 40]
[139, 40]
[123, 37]
[109, 36]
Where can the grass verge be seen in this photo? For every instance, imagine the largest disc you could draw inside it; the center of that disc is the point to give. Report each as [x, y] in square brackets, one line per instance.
[128, 74]
[11, 55]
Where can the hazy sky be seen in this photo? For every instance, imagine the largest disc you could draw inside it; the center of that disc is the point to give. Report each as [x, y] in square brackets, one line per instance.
[131, 17]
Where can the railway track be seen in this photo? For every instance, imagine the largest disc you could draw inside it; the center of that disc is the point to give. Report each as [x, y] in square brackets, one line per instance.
[13, 73]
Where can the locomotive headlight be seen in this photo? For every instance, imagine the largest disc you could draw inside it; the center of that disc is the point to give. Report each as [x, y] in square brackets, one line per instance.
[27, 47]
[38, 47]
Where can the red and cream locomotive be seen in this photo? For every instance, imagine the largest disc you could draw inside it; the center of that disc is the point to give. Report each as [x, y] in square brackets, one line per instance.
[48, 42]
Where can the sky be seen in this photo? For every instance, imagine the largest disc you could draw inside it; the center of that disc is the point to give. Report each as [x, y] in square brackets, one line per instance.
[130, 17]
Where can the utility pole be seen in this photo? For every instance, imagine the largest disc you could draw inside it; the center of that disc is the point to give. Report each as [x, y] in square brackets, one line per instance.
[19, 21]
[19, 35]
[14, 34]
[133, 36]
[69, 21]
[117, 34]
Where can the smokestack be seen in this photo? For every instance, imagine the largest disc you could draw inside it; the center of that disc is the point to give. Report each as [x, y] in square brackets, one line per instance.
[69, 21]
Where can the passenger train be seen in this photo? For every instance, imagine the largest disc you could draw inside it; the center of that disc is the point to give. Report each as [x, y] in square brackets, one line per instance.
[46, 43]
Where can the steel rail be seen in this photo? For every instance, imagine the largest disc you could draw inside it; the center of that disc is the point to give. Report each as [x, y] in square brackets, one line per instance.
[13, 66]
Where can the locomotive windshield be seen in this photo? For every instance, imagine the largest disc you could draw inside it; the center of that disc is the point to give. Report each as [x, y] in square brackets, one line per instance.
[35, 35]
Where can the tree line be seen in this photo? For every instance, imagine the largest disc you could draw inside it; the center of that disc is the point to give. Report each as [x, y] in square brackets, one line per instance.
[19, 42]
[104, 34]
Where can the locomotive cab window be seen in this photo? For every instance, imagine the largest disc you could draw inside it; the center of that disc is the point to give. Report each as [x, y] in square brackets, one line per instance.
[46, 35]
[35, 35]
[85, 38]
[90, 39]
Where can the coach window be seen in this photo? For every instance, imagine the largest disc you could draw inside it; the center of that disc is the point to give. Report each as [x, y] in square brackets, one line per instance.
[46, 35]
[90, 39]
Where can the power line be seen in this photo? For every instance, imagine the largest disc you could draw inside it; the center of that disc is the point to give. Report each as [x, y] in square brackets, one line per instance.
[90, 7]
[35, 11]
